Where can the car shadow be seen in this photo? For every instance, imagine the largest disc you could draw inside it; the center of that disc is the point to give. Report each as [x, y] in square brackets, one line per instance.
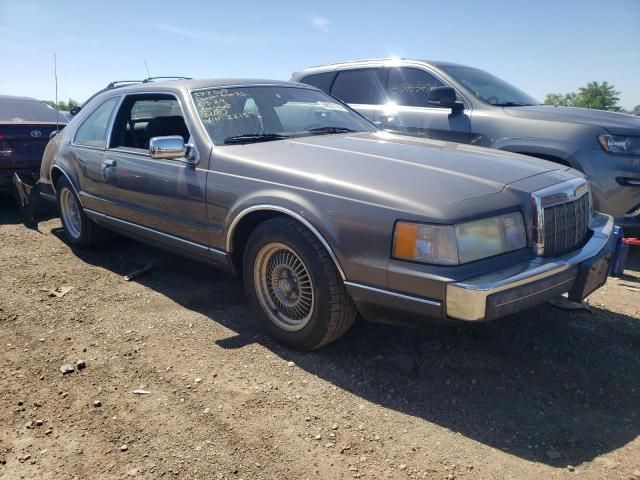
[551, 386]
[633, 260]
[10, 212]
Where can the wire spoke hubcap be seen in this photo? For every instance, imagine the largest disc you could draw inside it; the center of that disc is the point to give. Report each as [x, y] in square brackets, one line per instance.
[70, 212]
[284, 286]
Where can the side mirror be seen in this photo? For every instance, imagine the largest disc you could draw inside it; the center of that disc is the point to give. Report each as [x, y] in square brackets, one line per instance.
[171, 147]
[444, 97]
[75, 110]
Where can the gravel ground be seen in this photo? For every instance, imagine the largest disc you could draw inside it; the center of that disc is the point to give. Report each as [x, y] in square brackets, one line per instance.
[547, 393]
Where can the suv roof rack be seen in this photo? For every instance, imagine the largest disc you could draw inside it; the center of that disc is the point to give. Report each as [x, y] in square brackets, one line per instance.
[153, 79]
[124, 83]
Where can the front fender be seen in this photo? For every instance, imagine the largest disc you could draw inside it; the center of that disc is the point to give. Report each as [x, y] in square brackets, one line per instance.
[356, 235]
[542, 147]
[288, 203]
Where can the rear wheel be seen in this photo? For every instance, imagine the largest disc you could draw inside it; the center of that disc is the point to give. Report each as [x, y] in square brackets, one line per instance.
[294, 285]
[79, 229]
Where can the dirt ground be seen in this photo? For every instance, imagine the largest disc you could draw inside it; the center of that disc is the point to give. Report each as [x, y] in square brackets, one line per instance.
[545, 394]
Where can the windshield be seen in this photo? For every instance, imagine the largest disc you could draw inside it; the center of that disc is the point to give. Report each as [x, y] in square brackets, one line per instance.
[489, 88]
[266, 113]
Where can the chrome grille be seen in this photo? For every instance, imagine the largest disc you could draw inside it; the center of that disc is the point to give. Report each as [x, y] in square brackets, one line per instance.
[565, 226]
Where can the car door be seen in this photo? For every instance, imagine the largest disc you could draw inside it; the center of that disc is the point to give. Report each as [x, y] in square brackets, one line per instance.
[361, 88]
[406, 110]
[87, 150]
[159, 198]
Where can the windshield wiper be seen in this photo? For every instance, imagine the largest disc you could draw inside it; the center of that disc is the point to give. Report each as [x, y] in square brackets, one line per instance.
[330, 130]
[254, 138]
[512, 104]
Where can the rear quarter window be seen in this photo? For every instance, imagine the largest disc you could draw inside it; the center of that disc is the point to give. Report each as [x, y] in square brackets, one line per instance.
[319, 80]
[93, 131]
[362, 86]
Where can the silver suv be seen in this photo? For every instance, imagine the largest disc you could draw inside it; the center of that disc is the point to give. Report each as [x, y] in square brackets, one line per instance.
[462, 104]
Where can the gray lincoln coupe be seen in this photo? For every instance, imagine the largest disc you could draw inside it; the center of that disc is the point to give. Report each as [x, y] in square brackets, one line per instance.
[321, 213]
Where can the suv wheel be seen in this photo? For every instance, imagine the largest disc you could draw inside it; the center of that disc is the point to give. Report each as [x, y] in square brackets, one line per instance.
[79, 229]
[294, 286]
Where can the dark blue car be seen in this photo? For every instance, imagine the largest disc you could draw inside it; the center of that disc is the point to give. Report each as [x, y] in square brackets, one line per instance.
[25, 127]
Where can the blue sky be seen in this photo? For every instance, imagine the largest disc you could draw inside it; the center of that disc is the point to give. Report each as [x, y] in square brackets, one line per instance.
[541, 46]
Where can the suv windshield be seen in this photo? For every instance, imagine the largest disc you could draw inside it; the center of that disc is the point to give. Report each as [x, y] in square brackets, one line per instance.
[267, 113]
[489, 88]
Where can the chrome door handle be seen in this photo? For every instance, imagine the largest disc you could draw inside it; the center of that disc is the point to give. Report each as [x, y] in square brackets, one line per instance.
[109, 163]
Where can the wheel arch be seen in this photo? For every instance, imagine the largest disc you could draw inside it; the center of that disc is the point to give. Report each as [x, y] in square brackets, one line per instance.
[550, 158]
[56, 173]
[555, 151]
[248, 219]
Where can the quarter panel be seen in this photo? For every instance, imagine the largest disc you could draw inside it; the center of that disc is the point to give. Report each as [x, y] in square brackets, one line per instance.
[82, 167]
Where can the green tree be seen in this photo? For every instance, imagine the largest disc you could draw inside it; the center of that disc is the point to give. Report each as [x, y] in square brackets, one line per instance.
[600, 96]
[564, 99]
[636, 110]
[62, 105]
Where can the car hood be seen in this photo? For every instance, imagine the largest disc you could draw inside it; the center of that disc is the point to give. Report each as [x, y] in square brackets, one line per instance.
[410, 174]
[616, 123]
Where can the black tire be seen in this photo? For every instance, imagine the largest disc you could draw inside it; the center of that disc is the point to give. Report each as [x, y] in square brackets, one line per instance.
[86, 234]
[332, 312]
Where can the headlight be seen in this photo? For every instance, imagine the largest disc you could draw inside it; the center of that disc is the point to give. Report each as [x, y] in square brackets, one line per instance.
[462, 243]
[620, 144]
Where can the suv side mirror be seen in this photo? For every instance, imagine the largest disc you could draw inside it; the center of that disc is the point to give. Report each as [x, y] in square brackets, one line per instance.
[75, 110]
[171, 147]
[444, 97]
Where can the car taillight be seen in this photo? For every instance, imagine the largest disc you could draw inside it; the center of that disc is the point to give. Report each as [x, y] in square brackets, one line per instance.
[5, 147]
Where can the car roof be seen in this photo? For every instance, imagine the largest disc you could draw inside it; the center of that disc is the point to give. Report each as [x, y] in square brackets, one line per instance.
[204, 83]
[26, 109]
[11, 97]
[387, 60]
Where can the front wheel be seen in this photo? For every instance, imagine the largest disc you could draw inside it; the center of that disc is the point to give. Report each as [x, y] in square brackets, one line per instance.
[294, 286]
[79, 229]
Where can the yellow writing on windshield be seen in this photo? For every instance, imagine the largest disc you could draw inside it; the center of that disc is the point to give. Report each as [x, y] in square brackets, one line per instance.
[217, 104]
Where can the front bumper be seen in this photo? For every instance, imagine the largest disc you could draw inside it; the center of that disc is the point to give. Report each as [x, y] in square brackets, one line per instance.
[503, 292]
[30, 194]
[6, 177]
[521, 286]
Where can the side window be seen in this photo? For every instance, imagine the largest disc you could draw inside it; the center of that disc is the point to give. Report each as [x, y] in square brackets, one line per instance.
[142, 117]
[93, 131]
[319, 80]
[358, 86]
[410, 86]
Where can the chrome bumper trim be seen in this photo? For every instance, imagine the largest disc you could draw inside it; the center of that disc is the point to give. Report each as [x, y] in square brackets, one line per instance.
[391, 293]
[49, 198]
[632, 215]
[467, 300]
